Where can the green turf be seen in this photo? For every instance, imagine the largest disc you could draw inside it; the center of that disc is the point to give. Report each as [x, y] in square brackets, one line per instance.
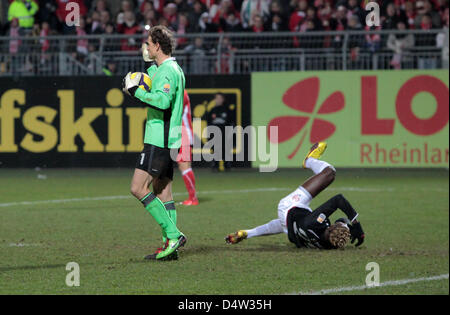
[405, 215]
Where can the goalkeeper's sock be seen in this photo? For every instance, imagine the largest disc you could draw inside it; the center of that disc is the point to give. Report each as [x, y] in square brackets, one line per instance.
[171, 211]
[157, 209]
[316, 165]
[273, 227]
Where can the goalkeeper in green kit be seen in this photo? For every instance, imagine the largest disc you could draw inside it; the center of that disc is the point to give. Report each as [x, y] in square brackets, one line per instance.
[162, 134]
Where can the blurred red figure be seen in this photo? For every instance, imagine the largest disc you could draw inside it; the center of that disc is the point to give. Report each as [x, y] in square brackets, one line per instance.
[298, 16]
[410, 14]
[225, 9]
[159, 5]
[258, 25]
[45, 43]
[128, 27]
[225, 63]
[170, 13]
[185, 154]
[181, 29]
[15, 41]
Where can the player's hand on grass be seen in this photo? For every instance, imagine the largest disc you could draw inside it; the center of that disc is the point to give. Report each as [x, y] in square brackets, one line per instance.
[130, 84]
[357, 233]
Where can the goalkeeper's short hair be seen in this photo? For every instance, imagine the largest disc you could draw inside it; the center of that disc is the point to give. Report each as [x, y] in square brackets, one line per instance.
[339, 235]
[164, 37]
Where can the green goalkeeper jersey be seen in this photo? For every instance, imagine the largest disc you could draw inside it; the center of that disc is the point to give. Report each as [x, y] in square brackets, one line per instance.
[165, 100]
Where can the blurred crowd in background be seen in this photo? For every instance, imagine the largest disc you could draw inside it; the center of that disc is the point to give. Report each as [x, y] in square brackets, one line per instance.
[208, 16]
[134, 17]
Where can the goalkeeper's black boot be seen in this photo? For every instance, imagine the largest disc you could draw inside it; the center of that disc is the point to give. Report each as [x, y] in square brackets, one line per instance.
[173, 256]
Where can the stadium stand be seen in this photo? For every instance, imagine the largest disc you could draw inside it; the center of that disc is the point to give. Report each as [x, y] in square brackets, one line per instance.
[230, 36]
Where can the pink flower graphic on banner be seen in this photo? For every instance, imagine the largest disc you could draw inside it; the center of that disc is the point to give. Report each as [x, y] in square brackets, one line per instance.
[302, 97]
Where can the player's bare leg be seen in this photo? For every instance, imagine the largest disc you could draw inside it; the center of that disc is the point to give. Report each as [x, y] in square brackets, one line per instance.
[163, 189]
[140, 183]
[189, 181]
[317, 183]
[324, 172]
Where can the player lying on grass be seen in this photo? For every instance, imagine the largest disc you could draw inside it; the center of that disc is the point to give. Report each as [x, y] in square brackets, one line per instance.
[307, 228]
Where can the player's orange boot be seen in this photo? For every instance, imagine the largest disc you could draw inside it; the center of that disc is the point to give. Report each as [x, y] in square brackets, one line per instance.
[190, 202]
[237, 237]
[316, 151]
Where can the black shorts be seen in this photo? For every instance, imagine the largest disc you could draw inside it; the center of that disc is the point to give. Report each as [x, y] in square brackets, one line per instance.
[156, 161]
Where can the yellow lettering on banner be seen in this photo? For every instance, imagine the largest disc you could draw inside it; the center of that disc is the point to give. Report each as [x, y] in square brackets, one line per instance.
[44, 128]
[7, 115]
[114, 98]
[115, 133]
[136, 119]
[69, 128]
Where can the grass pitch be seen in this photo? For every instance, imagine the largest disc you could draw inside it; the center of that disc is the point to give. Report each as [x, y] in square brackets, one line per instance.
[52, 217]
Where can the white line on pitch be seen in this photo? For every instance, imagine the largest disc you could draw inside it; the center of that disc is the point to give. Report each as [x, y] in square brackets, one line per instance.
[22, 245]
[28, 203]
[36, 202]
[383, 284]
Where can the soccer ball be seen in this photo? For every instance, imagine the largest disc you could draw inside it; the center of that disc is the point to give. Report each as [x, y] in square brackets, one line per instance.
[145, 82]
